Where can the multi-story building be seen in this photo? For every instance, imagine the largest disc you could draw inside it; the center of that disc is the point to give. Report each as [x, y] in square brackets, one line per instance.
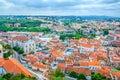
[28, 45]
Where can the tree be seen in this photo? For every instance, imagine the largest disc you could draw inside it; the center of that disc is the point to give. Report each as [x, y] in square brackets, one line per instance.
[118, 68]
[78, 36]
[32, 52]
[10, 52]
[98, 76]
[2, 78]
[57, 78]
[21, 77]
[93, 35]
[62, 37]
[7, 46]
[24, 55]
[84, 26]
[7, 76]
[6, 56]
[73, 74]
[57, 75]
[81, 77]
[21, 51]
[80, 31]
[17, 77]
[106, 31]
[16, 48]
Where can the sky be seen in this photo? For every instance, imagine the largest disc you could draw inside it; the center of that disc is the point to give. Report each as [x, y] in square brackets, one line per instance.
[60, 7]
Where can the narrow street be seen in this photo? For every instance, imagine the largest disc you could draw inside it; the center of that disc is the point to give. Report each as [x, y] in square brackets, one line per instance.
[38, 76]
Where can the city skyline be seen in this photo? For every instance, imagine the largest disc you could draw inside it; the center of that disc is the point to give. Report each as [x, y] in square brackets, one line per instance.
[61, 7]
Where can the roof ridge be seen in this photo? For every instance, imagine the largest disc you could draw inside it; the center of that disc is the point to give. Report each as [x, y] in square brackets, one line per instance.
[20, 66]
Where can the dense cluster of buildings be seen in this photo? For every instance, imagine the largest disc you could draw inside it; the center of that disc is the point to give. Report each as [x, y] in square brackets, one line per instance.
[99, 55]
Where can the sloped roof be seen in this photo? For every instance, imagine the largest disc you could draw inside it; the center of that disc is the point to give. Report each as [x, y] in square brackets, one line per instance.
[12, 66]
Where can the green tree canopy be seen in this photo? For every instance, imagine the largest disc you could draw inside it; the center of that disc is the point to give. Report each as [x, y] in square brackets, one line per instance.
[57, 74]
[81, 77]
[7, 46]
[21, 51]
[10, 76]
[62, 37]
[73, 74]
[98, 76]
[106, 31]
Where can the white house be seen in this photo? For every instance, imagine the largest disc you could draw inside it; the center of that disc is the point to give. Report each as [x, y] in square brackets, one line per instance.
[28, 45]
[86, 47]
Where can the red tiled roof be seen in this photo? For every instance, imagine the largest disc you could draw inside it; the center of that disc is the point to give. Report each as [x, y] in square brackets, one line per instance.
[20, 38]
[12, 66]
[116, 58]
[31, 58]
[35, 34]
[61, 66]
[84, 63]
[94, 63]
[85, 71]
[104, 71]
[86, 45]
[40, 65]
[54, 40]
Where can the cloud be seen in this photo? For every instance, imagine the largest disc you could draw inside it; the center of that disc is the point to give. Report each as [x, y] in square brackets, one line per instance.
[61, 7]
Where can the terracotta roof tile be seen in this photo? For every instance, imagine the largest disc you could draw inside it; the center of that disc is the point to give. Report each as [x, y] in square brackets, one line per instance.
[12, 66]
[40, 65]
[85, 71]
[20, 38]
[61, 66]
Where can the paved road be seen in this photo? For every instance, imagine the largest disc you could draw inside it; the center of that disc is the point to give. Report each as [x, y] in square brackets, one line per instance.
[38, 76]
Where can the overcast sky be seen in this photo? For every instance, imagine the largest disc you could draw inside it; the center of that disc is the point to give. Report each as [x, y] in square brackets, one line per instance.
[60, 7]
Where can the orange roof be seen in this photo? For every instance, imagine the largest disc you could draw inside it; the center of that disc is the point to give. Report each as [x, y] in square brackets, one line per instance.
[58, 53]
[38, 41]
[40, 65]
[87, 45]
[35, 34]
[54, 40]
[117, 73]
[61, 66]
[101, 54]
[85, 71]
[92, 55]
[85, 40]
[47, 76]
[94, 63]
[31, 58]
[12, 66]
[104, 71]
[20, 38]
[116, 58]
[74, 40]
[84, 63]
[69, 63]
